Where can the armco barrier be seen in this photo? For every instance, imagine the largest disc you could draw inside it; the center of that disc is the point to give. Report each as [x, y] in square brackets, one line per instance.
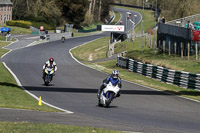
[179, 78]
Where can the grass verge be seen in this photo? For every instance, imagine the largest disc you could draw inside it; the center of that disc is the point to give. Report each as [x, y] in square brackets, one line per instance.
[18, 30]
[12, 96]
[108, 66]
[117, 18]
[23, 127]
[94, 50]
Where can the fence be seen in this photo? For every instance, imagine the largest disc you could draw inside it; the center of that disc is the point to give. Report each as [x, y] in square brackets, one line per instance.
[179, 78]
[182, 21]
[176, 40]
[35, 30]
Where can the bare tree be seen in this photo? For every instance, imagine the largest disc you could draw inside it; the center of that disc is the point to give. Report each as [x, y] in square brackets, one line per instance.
[99, 18]
[93, 8]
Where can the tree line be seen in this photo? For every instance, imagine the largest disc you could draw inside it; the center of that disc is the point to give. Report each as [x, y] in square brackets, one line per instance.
[171, 9]
[59, 12]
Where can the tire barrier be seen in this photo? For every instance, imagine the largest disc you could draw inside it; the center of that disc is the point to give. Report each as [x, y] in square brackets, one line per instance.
[179, 78]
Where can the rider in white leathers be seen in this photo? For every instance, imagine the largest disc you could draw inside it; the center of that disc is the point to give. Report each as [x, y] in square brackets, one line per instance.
[50, 63]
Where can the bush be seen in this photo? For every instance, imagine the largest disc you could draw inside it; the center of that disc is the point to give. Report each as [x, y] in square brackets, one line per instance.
[27, 24]
[19, 23]
[46, 26]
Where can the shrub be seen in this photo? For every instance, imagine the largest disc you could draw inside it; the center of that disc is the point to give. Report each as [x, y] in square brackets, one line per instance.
[19, 23]
[46, 26]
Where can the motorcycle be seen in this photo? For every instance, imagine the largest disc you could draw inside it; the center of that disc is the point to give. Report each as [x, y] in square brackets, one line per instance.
[48, 75]
[108, 94]
[63, 39]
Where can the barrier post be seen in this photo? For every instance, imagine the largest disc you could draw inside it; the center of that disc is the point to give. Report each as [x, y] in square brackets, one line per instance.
[181, 49]
[159, 45]
[188, 51]
[175, 49]
[164, 47]
[169, 49]
[196, 51]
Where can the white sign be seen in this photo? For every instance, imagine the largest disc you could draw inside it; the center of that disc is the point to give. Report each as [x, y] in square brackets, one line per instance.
[119, 28]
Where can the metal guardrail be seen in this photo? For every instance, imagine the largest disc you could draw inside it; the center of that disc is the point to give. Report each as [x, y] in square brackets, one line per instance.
[179, 78]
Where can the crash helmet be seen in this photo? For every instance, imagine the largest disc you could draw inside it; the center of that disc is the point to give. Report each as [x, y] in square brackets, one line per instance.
[51, 60]
[115, 74]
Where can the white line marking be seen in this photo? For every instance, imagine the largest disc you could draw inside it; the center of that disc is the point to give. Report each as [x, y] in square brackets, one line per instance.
[81, 62]
[34, 37]
[6, 53]
[20, 85]
[10, 44]
[8, 49]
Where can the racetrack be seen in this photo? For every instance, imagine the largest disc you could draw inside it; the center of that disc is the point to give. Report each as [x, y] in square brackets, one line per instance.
[74, 88]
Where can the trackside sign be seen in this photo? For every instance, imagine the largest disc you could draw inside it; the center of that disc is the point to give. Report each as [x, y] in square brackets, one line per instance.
[119, 28]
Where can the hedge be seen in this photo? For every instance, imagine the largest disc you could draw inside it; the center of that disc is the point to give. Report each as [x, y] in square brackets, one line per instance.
[19, 23]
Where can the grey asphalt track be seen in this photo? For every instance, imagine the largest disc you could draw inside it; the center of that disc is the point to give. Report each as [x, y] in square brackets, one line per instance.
[74, 88]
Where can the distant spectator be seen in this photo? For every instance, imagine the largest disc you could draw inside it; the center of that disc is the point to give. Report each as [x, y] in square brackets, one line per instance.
[162, 20]
[120, 22]
[190, 25]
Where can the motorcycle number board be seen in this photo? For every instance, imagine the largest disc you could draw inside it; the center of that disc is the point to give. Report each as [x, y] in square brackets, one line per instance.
[119, 28]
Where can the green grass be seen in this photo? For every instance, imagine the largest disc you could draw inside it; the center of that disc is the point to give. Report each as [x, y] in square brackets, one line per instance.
[78, 34]
[3, 51]
[25, 127]
[12, 96]
[94, 50]
[2, 38]
[91, 26]
[117, 18]
[18, 30]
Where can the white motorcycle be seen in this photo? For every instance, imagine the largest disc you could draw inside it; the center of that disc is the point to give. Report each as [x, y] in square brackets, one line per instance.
[108, 94]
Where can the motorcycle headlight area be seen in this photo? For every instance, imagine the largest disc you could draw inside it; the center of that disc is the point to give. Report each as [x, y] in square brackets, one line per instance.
[52, 72]
[46, 71]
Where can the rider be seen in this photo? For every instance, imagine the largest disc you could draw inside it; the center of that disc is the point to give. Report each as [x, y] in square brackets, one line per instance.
[114, 79]
[50, 63]
[63, 38]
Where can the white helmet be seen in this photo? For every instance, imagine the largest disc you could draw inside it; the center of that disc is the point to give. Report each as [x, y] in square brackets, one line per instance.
[115, 74]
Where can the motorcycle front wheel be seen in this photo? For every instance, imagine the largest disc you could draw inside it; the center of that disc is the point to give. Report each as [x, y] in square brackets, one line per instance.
[46, 80]
[99, 103]
[109, 100]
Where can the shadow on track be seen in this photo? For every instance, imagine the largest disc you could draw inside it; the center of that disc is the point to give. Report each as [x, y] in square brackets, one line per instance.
[8, 84]
[93, 90]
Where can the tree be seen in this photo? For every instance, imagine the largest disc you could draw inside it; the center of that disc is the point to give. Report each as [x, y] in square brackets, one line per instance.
[73, 10]
[36, 10]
